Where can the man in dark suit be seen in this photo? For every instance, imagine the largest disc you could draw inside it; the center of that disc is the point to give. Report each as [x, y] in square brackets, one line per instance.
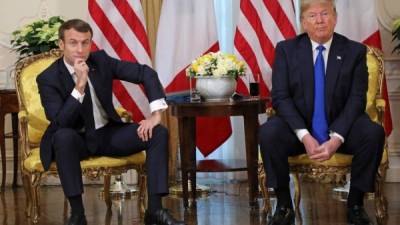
[319, 85]
[76, 93]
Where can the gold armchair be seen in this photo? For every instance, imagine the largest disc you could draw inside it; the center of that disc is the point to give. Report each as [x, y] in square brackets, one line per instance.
[32, 124]
[335, 169]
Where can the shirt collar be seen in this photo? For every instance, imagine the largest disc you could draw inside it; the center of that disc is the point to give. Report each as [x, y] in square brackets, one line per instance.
[327, 44]
[69, 67]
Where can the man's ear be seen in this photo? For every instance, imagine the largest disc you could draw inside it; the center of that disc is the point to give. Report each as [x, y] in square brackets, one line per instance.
[61, 44]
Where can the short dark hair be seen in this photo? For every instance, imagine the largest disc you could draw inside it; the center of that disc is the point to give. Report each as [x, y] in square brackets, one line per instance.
[76, 24]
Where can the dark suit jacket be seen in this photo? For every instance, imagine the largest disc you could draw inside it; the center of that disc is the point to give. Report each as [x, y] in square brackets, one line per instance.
[64, 111]
[346, 83]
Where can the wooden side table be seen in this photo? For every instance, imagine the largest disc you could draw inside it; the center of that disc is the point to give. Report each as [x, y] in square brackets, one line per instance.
[9, 104]
[187, 112]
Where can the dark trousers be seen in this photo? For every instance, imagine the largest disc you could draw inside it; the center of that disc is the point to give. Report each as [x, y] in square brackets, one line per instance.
[365, 142]
[113, 140]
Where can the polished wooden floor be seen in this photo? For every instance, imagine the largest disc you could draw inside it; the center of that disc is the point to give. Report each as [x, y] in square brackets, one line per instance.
[227, 205]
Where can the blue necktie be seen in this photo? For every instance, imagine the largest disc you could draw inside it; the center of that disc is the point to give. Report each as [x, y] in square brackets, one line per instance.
[319, 122]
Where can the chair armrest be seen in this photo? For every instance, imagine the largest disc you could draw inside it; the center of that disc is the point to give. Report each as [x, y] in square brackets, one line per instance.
[23, 133]
[380, 106]
[125, 115]
[270, 112]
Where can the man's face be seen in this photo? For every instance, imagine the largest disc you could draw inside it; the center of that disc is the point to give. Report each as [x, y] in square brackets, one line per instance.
[319, 21]
[76, 45]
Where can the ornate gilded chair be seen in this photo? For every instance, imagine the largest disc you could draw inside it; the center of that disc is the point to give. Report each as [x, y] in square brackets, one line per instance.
[32, 124]
[335, 169]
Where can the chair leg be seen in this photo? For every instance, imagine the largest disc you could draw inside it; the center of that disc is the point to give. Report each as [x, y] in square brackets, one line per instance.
[28, 193]
[297, 191]
[264, 190]
[65, 207]
[35, 179]
[380, 199]
[142, 196]
[107, 198]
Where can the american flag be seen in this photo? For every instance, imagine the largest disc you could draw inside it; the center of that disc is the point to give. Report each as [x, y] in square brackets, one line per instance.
[261, 25]
[119, 28]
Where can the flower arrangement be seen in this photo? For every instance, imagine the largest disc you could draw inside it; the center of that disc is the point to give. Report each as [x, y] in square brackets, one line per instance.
[216, 64]
[36, 37]
[396, 34]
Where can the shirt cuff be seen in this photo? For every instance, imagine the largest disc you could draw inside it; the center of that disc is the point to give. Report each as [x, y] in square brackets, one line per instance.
[334, 134]
[159, 104]
[300, 133]
[77, 95]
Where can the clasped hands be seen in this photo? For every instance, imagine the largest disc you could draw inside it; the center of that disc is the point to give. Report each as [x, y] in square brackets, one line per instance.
[321, 152]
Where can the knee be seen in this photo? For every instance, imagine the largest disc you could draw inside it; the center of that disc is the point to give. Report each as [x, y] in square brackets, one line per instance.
[161, 131]
[375, 134]
[268, 133]
[64, 137]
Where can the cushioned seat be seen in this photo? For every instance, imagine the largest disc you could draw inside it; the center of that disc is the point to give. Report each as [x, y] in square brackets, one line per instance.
[33, 123]
[335, 169]
[33, 164]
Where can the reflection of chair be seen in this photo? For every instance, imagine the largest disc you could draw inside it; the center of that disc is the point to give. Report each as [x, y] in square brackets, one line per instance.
[32, 123]
[335, 169]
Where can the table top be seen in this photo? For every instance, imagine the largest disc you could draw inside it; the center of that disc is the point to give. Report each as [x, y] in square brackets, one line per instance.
[219, 108]
[7, 91]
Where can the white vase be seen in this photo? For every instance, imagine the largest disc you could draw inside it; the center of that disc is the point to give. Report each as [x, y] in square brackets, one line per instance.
[216, 88]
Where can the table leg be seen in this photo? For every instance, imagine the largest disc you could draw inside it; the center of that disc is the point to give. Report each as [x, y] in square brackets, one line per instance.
[187, 140]
[14, 117]
[251, 136]
[3, 151]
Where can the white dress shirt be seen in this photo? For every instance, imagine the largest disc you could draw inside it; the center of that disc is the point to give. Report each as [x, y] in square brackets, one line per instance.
[99, 114]
[300, 133]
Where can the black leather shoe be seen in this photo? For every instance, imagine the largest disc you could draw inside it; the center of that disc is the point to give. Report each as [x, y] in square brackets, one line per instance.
[76, 219]
[161, 217]
[283, 216]
[356, 215]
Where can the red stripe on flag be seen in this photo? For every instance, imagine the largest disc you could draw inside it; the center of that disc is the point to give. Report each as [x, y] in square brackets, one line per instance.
[241, 88]
[374, 40]
[134, 23]
[252, 16]
[123, 96]
[218, 128]
[181, 81]
[111, 34]
[126, 101]
[249, 56]
[280, 18]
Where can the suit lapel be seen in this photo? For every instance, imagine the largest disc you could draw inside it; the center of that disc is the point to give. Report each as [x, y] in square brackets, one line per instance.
[95, 79]
[304, 54]
[335, 59]
[65, 77]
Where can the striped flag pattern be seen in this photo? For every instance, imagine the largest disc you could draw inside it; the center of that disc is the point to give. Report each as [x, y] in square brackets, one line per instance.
[261, 25]
[119, 28]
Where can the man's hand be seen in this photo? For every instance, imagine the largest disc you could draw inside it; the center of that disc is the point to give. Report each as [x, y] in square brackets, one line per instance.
[327, 149]
[310, 144]
[81, 73]
[145, 130]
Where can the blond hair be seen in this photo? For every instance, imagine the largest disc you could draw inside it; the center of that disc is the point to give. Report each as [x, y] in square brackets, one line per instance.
[305, 4]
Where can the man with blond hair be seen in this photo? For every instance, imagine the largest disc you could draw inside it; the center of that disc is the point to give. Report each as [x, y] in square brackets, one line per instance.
[319, 85]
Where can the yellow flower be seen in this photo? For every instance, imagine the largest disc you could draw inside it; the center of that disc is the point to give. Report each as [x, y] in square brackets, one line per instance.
[216, 64]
